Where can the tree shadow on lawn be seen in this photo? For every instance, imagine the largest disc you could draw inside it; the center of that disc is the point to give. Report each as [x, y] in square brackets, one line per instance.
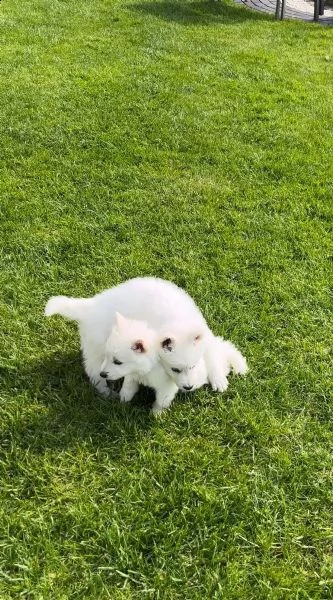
[60, 407]
[200, 13]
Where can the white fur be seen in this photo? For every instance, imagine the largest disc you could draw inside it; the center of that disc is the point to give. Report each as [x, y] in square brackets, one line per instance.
[226, 354]
[227, 358]
[165, 388]
[164, 318]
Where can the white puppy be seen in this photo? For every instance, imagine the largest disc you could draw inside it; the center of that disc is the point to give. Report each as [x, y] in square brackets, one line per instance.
[183, 335]
[132, 352]
[226, 353]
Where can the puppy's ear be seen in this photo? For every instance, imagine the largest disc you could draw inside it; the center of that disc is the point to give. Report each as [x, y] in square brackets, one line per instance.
[168, 344]
[120, 320]
[138, 347]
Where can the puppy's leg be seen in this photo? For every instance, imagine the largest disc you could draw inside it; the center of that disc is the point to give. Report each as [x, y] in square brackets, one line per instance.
[217, 368]
[164, 396]
[128, 389]
[233, 357]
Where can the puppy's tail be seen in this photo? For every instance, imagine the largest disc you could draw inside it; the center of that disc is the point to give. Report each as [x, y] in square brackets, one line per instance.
[76, 309]
[237, 361]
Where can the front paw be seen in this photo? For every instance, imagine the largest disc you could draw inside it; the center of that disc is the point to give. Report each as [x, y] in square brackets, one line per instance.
[126, 394]
[219, 383]
[157, 410]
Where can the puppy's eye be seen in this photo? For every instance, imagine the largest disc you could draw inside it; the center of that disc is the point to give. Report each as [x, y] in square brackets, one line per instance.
[176, 370]
[117, 362]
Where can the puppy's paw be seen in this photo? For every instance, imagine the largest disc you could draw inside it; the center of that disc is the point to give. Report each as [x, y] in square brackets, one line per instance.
[125, 395]
[128, 390]
[219, 383]
[157, 410]
[239, 364]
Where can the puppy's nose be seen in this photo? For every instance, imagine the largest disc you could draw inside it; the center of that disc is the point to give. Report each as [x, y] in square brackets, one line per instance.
[103, 374]
[187, 387]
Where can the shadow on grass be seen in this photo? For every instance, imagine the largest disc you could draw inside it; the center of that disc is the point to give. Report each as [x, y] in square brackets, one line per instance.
[60, 407]
[199, 13]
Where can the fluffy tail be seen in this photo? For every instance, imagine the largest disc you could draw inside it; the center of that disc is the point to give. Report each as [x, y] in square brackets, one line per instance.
[236, 360]
[72, 308]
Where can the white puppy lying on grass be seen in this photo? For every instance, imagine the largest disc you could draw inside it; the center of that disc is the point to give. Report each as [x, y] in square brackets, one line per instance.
[163, 328]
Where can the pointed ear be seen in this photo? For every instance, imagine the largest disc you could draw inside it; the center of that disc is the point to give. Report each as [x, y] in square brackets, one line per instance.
[168, 344]
[138, 347]
[120, 320]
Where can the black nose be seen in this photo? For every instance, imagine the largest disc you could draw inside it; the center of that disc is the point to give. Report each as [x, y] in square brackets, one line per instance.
[187, 387]
[103, 374]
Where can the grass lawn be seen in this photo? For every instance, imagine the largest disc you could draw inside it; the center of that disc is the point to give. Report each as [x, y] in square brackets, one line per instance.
[193, 141]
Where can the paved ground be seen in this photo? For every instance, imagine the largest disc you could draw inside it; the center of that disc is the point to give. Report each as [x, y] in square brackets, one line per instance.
[295, 9]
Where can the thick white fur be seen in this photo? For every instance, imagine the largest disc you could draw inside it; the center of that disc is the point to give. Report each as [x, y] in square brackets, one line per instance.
[155, 307]
[227, 356]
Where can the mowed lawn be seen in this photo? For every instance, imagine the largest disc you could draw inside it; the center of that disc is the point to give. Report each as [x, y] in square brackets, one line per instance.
[192, 141]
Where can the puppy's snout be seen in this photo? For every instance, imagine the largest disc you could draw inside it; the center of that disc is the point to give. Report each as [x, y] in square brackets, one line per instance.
[187, 387]
[103, 374]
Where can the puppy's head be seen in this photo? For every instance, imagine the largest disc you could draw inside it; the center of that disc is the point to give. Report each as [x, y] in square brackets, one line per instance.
[181, 348]
[131, 348]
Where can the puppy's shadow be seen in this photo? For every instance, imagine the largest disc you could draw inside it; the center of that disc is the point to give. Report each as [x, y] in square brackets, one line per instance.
[59, 407]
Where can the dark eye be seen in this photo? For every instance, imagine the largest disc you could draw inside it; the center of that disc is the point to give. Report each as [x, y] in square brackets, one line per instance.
[176, 370]
[117, 362]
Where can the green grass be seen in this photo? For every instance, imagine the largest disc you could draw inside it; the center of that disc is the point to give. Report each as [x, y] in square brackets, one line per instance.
[193, 141]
